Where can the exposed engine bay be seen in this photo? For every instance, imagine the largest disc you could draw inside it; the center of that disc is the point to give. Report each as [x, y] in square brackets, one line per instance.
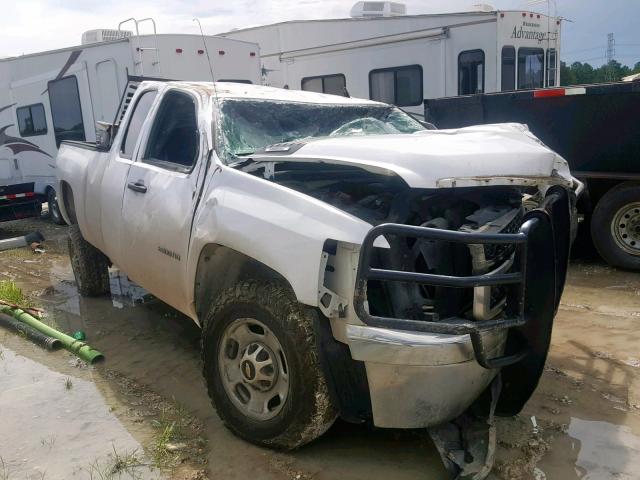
[381, 199]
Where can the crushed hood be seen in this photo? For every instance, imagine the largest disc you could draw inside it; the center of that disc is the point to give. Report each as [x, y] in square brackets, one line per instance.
[480, 155]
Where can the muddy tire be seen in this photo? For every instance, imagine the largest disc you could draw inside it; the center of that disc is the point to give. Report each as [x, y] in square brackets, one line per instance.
[54, 208]
[90, 266]
[615, 226]
[261, 366]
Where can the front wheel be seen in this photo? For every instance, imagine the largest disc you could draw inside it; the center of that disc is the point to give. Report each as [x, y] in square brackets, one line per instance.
[615, 226]
[261, 366]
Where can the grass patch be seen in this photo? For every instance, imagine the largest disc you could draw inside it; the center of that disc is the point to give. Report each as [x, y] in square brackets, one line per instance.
[162, 456]
[18, 253]
[48, 442]
[116, 465]
[12, 293]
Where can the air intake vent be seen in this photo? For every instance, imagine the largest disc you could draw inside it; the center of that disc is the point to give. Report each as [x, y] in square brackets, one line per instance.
[378, 9]
[103, 35]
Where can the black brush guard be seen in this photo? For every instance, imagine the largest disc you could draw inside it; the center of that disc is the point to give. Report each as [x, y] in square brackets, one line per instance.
[535, 281]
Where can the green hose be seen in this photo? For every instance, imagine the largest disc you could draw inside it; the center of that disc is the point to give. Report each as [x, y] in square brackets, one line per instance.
[81, 349]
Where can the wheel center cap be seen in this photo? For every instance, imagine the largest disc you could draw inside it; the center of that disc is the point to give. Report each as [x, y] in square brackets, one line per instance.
[248, 370]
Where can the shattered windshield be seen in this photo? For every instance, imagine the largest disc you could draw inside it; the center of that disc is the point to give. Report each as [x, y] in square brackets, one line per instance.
[250, 125]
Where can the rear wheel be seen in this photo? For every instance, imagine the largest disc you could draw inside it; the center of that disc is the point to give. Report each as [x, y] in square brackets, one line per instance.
[261, 366]
[615, 226]
[90, 266]
[54, 208]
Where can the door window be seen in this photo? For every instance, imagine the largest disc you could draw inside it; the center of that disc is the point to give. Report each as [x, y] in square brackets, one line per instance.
[138, 116]
[31, 120]
[508, 68]
[471, 72]
[401, 86]
[66, 111]
[174, 140]
[333, 84]
[530, 68]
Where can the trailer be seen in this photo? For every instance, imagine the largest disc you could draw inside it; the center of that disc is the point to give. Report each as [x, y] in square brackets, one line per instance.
[383, 54]
[596, 129]
[58, 95]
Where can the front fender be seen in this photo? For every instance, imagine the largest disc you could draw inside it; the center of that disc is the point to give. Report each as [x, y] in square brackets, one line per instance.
[279, 227]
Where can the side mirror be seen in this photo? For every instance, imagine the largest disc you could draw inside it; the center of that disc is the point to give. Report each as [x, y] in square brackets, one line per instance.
[104, 135]
[427, 125]
[420, 119]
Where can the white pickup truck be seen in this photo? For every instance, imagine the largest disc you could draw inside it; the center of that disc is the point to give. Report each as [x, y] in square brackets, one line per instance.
[340, 257]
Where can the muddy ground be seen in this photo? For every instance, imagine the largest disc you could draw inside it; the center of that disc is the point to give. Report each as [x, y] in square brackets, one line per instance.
[144, 412]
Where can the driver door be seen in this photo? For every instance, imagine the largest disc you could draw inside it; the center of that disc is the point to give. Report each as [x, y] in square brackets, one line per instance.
[159, 199]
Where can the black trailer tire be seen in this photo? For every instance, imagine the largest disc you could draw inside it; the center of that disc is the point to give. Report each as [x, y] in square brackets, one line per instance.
[90, 266]
[615, 226]
[54, 208]
[264, 311]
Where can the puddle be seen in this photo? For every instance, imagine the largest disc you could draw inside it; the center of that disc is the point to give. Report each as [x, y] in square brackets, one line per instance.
[56, 426]
[124, 292]
[598, 450]
[607, 451]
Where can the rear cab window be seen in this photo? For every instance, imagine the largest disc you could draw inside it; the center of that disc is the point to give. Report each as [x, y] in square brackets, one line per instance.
[335, 84]
[229, 80]
[138, 116]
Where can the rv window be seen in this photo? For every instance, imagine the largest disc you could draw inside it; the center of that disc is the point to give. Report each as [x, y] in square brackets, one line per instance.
[333, 84]
[551, 67]
[401, 86]
[530, 68]
[31, 120]
[174, 140]
[508, 68]
[66, 112]
[139, 114]
[471, 72]
[248, 82]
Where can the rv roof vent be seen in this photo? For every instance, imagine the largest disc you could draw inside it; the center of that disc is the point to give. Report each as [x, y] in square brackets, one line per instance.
[378, 9]
[103, 35]
[484, 7]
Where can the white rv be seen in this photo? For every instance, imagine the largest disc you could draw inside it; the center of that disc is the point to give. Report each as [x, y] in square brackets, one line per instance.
[60, 95]
[382, 54]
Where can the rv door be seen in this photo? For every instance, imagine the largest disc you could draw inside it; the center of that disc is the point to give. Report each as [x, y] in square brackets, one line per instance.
[108, 90]
[9, 171]
[33, 149]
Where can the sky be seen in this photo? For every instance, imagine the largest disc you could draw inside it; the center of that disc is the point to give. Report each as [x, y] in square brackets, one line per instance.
[28, 26]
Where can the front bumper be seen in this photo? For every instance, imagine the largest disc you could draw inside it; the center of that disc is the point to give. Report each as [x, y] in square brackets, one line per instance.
[419, 379]
[424, 373]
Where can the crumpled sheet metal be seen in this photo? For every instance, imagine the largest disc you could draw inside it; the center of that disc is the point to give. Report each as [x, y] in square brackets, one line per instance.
[467, 445]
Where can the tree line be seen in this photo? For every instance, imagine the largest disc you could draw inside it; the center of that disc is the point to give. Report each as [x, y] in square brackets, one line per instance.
[578, 73]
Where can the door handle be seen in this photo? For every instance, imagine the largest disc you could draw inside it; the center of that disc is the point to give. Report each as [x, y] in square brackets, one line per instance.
[138, 186]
